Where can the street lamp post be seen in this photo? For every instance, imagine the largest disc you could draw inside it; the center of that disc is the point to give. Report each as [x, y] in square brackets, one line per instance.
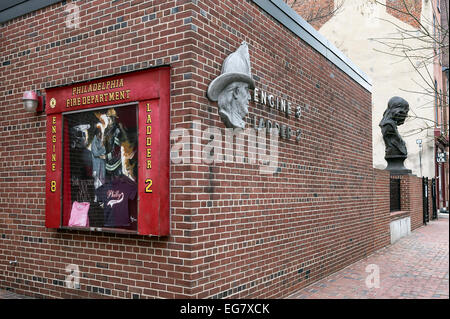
[419, 142]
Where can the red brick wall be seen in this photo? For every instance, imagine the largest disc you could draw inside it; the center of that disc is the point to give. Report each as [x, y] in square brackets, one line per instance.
[381, 200]
[411, 198]
[407, 11]
[234, 232]
[444, 6]
[39, 51]
[310, 219]
[416, 202]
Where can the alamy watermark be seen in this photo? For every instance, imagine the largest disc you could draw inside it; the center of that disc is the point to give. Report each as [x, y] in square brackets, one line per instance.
[213, 145]
[73, 16]
[373, 279]
[73, 277]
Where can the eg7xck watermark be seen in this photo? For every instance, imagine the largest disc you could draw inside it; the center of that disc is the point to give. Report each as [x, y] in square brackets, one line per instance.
[227, 308]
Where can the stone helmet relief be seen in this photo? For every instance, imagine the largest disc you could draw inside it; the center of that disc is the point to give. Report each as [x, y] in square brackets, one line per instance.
[231, 88]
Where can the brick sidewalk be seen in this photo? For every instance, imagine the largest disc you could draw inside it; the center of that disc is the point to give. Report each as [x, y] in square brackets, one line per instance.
[416, 266]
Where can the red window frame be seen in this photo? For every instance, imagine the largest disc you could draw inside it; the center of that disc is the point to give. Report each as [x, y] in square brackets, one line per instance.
[150, 90]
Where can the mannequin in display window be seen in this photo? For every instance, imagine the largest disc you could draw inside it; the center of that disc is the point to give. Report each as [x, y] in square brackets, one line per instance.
[114, 135]
[98, 159]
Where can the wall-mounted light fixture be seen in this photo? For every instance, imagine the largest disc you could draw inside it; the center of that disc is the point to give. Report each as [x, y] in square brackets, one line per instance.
[33, 101]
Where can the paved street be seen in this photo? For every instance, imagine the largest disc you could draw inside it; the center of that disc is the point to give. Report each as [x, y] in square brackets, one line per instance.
[415, 267]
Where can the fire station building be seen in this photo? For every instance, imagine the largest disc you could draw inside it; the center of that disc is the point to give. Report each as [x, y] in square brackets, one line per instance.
[182, 149]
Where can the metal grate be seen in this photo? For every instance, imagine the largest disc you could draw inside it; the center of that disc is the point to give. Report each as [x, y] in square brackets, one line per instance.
[395, 195]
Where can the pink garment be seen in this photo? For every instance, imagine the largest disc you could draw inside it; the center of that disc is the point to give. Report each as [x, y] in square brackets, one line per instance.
[79, 214]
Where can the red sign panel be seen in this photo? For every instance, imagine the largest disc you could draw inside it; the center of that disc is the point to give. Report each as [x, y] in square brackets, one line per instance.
[54, 171]
[108, 154]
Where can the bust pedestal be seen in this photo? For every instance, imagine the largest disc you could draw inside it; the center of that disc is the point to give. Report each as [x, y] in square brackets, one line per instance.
[395, 164]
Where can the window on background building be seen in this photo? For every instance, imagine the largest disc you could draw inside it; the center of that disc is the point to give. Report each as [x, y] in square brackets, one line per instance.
[100, 168]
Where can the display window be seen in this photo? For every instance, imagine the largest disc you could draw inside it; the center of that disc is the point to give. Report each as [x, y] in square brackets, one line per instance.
[108, 154]
[100, 152]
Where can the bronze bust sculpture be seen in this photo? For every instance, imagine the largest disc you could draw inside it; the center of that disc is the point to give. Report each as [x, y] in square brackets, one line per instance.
[396, 151]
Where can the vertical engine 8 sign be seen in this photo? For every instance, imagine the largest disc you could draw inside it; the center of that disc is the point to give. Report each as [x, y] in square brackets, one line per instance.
[108, 148]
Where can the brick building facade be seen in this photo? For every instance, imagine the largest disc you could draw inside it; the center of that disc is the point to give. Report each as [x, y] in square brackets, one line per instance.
[234, 232]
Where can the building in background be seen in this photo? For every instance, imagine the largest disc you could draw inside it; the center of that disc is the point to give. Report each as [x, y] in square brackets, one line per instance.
[441, 132]
[387, 45]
